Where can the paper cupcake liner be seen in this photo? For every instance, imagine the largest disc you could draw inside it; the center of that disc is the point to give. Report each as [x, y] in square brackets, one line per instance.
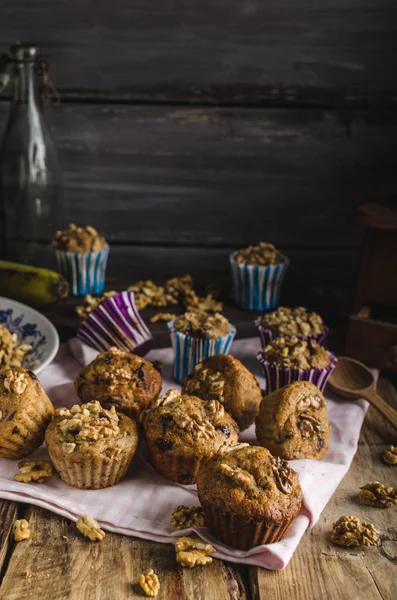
[239, 532]
[267, 335]
[277, 377]
[85, 273]
[116, 322]
[257, 288]
[189, 351]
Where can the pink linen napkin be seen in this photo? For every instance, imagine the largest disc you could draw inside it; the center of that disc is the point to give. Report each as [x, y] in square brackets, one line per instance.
[141, 504]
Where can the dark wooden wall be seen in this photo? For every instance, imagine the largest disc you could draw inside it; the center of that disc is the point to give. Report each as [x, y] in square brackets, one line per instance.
[191, 127]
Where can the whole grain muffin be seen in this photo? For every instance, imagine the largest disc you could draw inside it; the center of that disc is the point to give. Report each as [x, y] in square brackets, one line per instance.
[249, 497]
[297, 322]
[203, 325]
[91, 447]
[120, 379]
[183, 431]
[295, 353]
[25, 411]
[79, 239]
[262, 254]
[224, 378]
[293, 423]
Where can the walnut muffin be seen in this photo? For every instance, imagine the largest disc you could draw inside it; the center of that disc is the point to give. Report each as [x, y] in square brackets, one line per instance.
[203, 325]
[249, 497]
[120, 379]
[79, 239]
[297, 354]
[262, 254]
[284, 321]
[224, 378]
[91, 447]
[25, 411]
[183, 431]
[293, 423]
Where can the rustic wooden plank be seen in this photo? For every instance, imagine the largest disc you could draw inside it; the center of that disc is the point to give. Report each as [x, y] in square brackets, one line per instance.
[222, 176]
[319, 569]
[277, 52]
[67, 566]
[8, 515]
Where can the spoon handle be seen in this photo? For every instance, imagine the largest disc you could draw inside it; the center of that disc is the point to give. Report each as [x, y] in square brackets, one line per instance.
[383, 407]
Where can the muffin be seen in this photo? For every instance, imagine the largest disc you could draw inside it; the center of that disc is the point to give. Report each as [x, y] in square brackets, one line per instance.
[120, 379]
[25, 411]
[82, 256]
[249, 497]
[258, 272]
[182, 432]
[196, 336]
[224, 378]
[293, 423]
[91, 447]
[297, 322]
[288, 359]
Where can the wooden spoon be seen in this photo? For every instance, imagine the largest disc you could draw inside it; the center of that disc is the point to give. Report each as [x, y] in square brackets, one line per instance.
[352, 379]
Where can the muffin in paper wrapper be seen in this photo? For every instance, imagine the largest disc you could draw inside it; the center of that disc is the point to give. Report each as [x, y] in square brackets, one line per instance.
[257, 287]
[85, 272]
[267, 335]
[190, 350]
[116, 322]
[277, 377]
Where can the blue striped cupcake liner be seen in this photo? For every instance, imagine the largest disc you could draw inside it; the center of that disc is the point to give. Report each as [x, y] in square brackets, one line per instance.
[257, 288]
[190, 351]
[116, 322]
[277, 377]
[267, 335]
[85, 273]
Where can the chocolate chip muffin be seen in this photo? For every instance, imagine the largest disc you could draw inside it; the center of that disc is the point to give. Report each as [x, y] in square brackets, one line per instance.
[293, 423]
[91, 447]
[183, 431]
[249, 497]
[25, 411]
[224, 378]
[120, 379]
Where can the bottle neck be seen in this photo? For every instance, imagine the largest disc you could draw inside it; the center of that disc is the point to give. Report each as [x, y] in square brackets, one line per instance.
[25, 84]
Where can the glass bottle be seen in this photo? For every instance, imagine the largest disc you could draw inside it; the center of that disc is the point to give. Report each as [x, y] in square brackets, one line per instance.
[30, 179]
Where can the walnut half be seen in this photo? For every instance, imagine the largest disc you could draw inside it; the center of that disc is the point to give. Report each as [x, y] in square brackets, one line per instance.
[149, 583]
[350, 531]
[191, 552]
[21, 530]
[33, 470]
[390, 456]
[187, 516]
[376, 494]
[90, 528]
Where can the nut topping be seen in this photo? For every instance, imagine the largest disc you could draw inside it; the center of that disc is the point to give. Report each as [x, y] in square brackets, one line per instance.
[15, 382]
[282, 473]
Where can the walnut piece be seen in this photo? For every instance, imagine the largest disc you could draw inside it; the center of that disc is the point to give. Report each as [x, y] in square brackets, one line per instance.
[260, 255]
[191, 552]
[296, 353]
[86, 423]
[33, 470]
[376, 494]
[238, 474]
[149, 583]
[206, 381]
[282, 474]
[79, 239]
[390, 456]
[21, 530]
[91, 303]
[29, 574]
[203, 325]
[184, 517]
[12, 353]
[162, 316]
[350, 531]
[197, 426]
[15, 382]
[90, 528]
[293, 321]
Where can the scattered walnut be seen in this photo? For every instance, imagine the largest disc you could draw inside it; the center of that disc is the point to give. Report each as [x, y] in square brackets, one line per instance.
[91, 303]
[191, 552]
[184, 517]
[15, 382]
[194, 303]
[149, 583]
[21, 530]
[32, 470]
[1, 414]
[90, 528]
[11, 352]
[148, 293]
[282, 472]
[350, 531]
[29, 574]
[162, 316]
[376, 494]
[390, 456]
[240, 475]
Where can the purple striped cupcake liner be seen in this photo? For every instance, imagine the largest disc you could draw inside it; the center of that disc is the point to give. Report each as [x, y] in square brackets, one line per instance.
[267, 335]
[85, 273]
[190, 351]
[277, 377]
[116, 322]
[257, 287]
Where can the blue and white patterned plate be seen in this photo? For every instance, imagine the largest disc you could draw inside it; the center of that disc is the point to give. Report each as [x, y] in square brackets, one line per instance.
[31, 328]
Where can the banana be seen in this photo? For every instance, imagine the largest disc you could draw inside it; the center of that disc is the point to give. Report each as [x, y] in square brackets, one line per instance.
[33, 285]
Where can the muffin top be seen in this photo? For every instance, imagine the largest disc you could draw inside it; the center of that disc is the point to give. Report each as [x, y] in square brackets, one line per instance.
[180, 422]
[262, 254]
[296, 354]
[249, 482]
[11, 352]
[89, 427]
[79, 239]
[224, 378]
[119, 378]
[203, 325]
[293, 321]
